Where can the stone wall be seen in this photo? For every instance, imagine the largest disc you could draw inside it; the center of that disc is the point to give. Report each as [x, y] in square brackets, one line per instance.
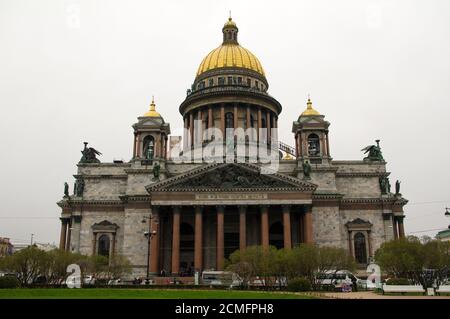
[327, 226]
[358, 187]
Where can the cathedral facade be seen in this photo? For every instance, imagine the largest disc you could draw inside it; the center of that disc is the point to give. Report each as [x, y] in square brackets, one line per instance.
[184, 204]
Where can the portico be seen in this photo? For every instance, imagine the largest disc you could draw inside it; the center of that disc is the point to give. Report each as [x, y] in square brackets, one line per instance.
[200, 226]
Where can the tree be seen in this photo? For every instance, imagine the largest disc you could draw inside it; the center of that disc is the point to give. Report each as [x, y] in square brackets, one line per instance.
[118, 267]
[421, 263]
[57, 265]
[255, 261]
[283, 265]
[28, 264]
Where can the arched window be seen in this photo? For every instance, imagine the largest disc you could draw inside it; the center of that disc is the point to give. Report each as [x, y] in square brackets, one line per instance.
[263, 121]
[229, 120]
[313, 145]
[252, 121]
[103, 245]
[207, 121]
[149, 147]
[360, 248]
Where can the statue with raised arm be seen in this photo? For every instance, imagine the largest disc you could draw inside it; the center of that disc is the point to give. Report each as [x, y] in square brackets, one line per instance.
[66, 189]
[89, 154]
[374, 152]
[306, 170]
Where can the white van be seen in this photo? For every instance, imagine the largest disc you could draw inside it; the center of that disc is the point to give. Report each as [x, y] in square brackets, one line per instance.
[221, 278]
[337, 279]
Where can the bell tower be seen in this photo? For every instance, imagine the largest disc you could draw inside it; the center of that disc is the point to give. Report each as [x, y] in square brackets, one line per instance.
[311, 136]
[150, 137]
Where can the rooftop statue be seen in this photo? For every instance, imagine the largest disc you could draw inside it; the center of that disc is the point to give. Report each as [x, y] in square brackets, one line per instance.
[385, 185]
[66, 189]
[156, 170]
[89, 154]
[397, 188]
[374, 152]
[79, 187]
[306, 170]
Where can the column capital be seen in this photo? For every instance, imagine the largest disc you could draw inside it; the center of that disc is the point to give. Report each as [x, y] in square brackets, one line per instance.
[286, 207]
[220, 207]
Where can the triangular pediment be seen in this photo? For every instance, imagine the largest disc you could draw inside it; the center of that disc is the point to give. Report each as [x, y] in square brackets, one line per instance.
[231, 177]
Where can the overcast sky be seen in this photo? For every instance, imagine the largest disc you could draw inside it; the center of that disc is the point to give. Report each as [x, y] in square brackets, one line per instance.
[74, 71]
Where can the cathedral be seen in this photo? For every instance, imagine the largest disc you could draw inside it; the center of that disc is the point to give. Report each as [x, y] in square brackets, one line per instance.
[184, 203]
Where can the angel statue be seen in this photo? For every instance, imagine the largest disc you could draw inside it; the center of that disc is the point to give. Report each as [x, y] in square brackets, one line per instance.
[89, 154]
[374, 152]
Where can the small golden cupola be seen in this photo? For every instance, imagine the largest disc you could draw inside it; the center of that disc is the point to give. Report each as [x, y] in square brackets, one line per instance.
[310, 111]
[152, 112]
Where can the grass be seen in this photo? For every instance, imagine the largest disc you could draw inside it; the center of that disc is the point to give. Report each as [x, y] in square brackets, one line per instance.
[111, 293]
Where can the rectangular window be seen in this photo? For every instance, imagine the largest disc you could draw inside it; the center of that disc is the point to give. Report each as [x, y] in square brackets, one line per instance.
[211, 82]
[239, 80]
[221, 81]
[230, 80]
[249, 82]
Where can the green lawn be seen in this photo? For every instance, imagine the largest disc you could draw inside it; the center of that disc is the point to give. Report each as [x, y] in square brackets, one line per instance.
[108, 293]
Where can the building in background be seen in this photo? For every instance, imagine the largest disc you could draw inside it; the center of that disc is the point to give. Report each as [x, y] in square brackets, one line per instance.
[6, 247]
[443, 235]
[204, 209]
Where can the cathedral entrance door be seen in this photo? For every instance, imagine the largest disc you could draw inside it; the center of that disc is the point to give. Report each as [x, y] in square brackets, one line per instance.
[186, 249]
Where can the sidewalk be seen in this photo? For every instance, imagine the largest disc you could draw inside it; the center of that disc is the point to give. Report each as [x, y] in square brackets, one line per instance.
[372, 295]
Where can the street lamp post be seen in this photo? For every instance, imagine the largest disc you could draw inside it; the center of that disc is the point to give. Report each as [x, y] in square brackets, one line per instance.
[148, 234]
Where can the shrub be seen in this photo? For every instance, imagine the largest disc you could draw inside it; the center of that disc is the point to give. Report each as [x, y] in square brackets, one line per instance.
[398, 282]
[9, 282]
[299, 284]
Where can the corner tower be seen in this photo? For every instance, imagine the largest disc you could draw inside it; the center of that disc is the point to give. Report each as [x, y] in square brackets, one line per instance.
[311, 136]
[150, 136]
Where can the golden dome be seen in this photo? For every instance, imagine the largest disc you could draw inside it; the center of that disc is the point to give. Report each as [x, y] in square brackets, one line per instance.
[230, 54]
[152, 112]
[309, 109]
